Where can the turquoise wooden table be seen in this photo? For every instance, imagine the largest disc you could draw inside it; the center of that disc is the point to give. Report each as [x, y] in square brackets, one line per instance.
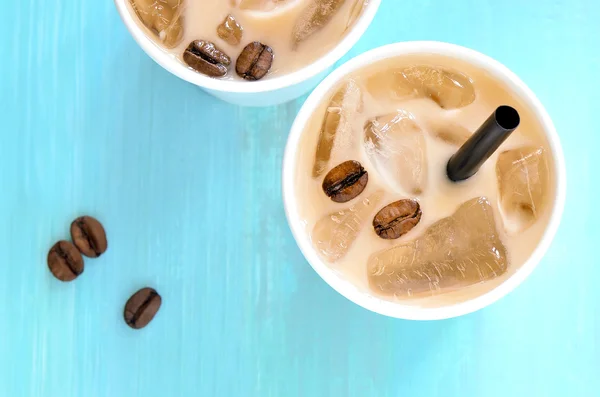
[189, 191]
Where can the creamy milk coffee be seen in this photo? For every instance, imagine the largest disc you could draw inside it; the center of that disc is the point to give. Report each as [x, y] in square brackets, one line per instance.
[376, 200]
[247, 39]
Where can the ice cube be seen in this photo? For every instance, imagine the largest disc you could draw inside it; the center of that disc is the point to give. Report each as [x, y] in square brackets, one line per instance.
[449, 89]
[333, 234]
[387, 85]
[253, 4]
[163, 17]
[337, 123]
[355, 12]
[451, 133]
[313, 18]
[523, 181]
[261, 5]
[457, 251]
[230, 30]
[396, 145]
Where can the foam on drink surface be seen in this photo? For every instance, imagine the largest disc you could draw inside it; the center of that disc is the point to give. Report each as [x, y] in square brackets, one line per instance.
[413, 114]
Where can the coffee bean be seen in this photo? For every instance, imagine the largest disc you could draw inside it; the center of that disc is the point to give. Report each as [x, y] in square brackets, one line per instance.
[205, 57]
[255, 61]
[397, 219]
[89, 236]
[345, 181]
[141, 308]
[65, 261]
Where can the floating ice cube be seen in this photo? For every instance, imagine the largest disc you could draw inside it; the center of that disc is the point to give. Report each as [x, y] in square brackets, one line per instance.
[253, 4]
[261, 5]
[230, 30]
[523, 185]
[396, 146]
[355, 12]
[337, 124]
[389, 85]
[163, 17]
[449, 89]
[453, 134]
[333, 234]
[457, 251]
[313, 18]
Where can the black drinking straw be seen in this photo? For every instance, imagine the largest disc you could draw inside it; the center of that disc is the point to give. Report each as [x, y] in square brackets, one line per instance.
[483, 143]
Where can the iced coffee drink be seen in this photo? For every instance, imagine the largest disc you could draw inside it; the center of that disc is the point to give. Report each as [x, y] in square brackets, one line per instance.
[376, 200]
[247, 39]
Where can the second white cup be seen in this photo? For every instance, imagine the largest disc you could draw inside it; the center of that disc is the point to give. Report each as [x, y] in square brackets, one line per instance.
[266, 92]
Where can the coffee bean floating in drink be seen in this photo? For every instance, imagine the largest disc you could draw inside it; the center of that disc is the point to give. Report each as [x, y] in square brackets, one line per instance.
[65, 261]
[299, 31]
[141, 308]
[396, 219]
[255, 61]
[89, 236]
[206, 58]
[345, 181]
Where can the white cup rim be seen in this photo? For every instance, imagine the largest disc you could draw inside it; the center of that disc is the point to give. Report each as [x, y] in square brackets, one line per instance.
[394, 309]
[173, 65]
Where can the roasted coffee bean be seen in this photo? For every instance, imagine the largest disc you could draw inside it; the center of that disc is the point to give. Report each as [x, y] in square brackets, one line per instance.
[89, 236]
[345, 181]
[65, 261]
[141, 308]
[205, 57]
[255, 61]
[397, 219]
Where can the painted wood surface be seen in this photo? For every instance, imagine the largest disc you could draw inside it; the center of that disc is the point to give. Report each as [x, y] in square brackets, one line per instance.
[189, 191]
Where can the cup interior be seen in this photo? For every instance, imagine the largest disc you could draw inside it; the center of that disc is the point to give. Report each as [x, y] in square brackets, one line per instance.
[173, 65]
[440, 308]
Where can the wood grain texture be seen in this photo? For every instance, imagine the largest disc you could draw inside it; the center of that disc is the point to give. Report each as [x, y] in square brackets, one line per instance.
[189, 191]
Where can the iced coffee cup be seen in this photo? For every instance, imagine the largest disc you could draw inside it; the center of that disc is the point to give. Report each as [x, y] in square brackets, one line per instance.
[248, 52]
[368, 194]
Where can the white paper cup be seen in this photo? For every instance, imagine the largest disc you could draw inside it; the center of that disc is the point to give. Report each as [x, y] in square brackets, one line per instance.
[265, 92]
[398, 309]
